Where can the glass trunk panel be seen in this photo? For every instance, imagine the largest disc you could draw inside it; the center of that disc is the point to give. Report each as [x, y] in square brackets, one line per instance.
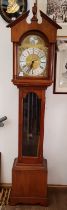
[31, 125]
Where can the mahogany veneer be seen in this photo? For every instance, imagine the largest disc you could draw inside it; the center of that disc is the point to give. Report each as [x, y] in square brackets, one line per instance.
[29, 183]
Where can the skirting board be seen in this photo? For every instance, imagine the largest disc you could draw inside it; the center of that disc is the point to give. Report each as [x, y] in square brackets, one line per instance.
[50, 186]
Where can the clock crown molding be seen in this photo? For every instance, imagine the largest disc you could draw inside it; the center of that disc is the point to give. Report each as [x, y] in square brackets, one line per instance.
[24, 16]
[43, 15]
[34, 18]
[48, 27]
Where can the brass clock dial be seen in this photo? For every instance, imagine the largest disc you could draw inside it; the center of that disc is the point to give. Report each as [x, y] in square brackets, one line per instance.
[33, 56]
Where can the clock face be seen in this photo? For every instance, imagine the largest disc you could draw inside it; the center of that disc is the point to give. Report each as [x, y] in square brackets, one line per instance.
[33, 57]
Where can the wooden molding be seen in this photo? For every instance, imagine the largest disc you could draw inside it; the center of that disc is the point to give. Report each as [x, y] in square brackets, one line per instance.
[56, 187]
[50, 186]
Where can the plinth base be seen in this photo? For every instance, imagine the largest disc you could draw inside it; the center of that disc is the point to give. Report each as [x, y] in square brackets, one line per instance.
[29, 184]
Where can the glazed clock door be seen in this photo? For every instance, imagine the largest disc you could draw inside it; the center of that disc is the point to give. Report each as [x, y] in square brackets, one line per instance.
[32, 56]
[31, 126]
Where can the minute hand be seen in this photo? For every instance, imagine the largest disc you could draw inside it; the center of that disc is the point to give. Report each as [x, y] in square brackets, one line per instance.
[30, 67]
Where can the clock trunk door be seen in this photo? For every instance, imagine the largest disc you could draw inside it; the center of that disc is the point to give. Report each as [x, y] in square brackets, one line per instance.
[31, 125]
[31, 132]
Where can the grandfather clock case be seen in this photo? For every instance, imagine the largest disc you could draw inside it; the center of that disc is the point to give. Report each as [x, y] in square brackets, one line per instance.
[33, 67]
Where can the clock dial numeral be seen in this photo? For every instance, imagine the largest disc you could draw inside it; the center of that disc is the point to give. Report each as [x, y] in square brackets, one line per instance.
[42, 65]
[43, 59]
[22, 58]
[35, 72]
[25, 69]
[41, 54]
[40, 71]
[22, 64]
[25, 53]
[36, 51]
[31, 50]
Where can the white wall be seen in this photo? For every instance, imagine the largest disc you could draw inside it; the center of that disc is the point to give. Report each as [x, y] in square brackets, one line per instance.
[55, 139]
[8, 104]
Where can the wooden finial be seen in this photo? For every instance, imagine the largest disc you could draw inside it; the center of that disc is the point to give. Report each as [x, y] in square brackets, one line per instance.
[34, 10]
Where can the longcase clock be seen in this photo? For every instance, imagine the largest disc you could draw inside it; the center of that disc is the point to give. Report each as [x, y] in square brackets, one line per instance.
[33, 66]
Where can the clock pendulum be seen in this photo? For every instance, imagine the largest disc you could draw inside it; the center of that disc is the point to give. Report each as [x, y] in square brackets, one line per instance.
[33, 67]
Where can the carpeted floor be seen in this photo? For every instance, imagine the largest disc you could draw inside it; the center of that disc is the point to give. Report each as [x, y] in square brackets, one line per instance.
[57, 201]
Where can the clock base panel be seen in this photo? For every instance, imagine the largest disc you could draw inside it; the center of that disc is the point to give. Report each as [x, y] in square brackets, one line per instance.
[29, 184]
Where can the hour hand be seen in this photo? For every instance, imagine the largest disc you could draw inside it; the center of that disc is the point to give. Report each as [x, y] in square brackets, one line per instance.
[30, 66]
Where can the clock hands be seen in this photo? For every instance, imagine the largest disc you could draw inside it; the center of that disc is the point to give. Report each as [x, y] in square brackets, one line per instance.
[30, 67]
[32, 62]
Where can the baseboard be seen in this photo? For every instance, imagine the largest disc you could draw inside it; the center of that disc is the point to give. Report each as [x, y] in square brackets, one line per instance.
[50, 186]
[5, 185]
[57, 187]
